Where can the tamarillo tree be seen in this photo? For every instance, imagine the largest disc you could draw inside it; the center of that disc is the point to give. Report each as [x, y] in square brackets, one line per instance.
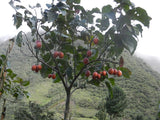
[74, 46]
[10, 83]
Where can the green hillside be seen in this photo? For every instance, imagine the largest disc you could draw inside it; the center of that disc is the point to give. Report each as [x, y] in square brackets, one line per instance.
[142, 90]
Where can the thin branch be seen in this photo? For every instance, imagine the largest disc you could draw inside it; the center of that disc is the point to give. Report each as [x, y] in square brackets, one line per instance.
[58, 71]
[85, 66]
[32, 51]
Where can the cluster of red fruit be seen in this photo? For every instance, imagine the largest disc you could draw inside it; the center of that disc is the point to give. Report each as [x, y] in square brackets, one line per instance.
[89, 52]
[112, 71]
[96, 75]
[36, 68]
[53, 76]
[58, 54]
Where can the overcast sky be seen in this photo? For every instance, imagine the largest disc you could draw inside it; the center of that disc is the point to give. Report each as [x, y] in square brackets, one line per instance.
[149, 44]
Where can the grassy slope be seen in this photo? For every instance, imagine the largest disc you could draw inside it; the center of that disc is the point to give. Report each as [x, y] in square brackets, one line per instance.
[142, 89]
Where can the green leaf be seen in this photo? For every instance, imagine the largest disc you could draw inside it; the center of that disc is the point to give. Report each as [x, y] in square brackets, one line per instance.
[38, 5]
[104, 24]
[3, 57]
[112, 81]
[11, 74]
[108, 85]
[139, 14]
[76, 1]
[0, 62]
[45, 70]
[129, 43]
[18, 19]
[52, 16]
[25, 83]
[108, 11]
[95, 10]
[46, 28]
[18, 80]
[57, 79]
[19, 39]
[49, 5]
[125, 71]
[95, 82]
[139, 29]
[20, 7]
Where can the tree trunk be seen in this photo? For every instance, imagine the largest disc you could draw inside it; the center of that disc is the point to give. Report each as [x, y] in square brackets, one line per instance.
[67, 105]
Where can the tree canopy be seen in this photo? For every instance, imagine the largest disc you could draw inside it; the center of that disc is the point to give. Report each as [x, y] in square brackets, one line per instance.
[71, 44]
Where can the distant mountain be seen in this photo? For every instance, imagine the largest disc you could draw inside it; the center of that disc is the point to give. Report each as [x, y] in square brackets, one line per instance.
[152, 61]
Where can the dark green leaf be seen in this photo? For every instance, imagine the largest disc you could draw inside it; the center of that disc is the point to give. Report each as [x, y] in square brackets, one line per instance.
[18, 19]
[104, 24]
[19, 39]
[20, 7]
[38, 5]
[139, 14]
[125, 71]
[3, 57]
[95, 82]
[95, 10]
[108, 85]
[11, 74]
[46, 28]
[129, 43]
[139, 28]
[0, 62]
[52, 16]
[45, 70]
[25, 83]
[57, 79]
[112, 81]
[49, 5]
[106, 9]
[76, 1]
[18, 80]
[98, 20]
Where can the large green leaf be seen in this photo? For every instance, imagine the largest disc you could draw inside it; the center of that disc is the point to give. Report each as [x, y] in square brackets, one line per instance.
[108, 85]
[95, 10]
[108, 11]
[112, 81]
[129, 43]
[95, 82]
[18, 19]
[139, 14]
[76, 1]
[125, 71]
[11, 74]
[19, 39]
[104, 24]
[52, 16]
[25, 83]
